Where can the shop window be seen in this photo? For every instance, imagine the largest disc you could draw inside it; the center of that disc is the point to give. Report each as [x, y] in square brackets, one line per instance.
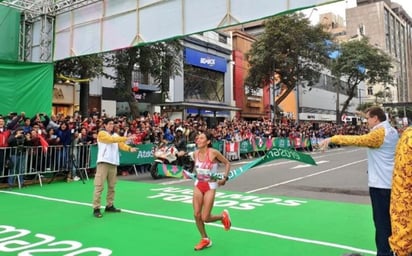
[203, 84]
[222, 38]
[370, 90]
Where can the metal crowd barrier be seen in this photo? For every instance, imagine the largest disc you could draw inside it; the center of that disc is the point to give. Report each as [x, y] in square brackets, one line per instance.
[258, 146]
[16, 163]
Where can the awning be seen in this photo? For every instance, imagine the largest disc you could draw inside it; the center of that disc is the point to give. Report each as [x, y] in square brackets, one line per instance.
[198, 105]
[397, 104]
[149, 87]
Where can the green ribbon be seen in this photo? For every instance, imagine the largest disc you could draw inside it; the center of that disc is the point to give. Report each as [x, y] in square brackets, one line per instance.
[273, 154]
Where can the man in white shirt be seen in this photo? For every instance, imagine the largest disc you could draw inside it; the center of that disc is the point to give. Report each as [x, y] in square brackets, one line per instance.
[108, 158]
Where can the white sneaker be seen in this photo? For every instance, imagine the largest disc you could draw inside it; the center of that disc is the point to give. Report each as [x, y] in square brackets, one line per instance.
[76, 178]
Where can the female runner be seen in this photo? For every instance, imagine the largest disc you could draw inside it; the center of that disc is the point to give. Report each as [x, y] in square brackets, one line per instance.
[206, 163]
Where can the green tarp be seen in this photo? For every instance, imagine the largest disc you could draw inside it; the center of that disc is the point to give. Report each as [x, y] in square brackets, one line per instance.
[26, 87]
[9, 33]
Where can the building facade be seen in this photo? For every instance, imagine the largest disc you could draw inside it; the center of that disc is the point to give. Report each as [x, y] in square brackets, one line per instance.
[254, 106]
[318, 103]
[65, 99]
[205, 85]
[388, 27]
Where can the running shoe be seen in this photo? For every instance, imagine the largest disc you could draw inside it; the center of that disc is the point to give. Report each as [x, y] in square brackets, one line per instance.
[227, 223]
[204, 243]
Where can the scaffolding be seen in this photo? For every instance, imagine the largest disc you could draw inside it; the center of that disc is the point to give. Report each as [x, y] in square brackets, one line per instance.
[37, 8]
[40, 14]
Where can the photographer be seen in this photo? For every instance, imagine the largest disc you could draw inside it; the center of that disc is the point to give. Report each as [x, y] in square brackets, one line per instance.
[19, 141]
[180, 140]
[74, 151]
[180, 144]
[156, 136]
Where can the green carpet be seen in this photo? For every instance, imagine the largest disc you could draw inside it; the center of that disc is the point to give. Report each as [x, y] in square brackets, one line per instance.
[56, 219]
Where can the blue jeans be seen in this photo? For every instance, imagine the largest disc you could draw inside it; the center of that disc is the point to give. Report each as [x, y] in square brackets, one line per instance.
[19, 166]
[64, 159]
[380, 199]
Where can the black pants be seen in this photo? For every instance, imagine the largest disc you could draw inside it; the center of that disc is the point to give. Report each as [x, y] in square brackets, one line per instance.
[380, 199]
[4, 157]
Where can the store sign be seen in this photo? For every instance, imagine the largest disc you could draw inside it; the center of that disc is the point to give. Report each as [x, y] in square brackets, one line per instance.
[140, 96]
[205, 112]
[63, 94]
[204, 60]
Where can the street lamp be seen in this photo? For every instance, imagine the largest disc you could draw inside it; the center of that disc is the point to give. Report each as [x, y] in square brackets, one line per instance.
[311, 12]
[274, 102]
[273, 87]
[273, 96]
[297, 103]
[272, 99]
[387, 93]
[360, 96]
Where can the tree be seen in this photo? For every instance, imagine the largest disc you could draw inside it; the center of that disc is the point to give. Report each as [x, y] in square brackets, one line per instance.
[291, 47]
[358, 62]
[382, 96]
[364, 106]
[83, 68]
[161, 61]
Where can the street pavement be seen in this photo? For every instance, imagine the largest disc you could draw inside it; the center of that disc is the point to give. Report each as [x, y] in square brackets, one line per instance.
[340, 176]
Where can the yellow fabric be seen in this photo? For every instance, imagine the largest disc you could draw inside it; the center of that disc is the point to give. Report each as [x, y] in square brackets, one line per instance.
[105, 137]
[401, 197]
[373, 139]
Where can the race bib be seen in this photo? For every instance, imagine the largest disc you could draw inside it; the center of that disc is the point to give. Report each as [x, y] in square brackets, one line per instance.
[203, 174]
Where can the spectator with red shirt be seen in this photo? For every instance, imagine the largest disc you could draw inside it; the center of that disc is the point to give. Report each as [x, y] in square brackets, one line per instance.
[5, 132]
[139, 137]
[4, 135]
[156, 119]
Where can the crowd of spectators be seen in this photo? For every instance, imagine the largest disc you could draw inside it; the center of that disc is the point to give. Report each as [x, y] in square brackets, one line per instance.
[155, 128]
[58, 129]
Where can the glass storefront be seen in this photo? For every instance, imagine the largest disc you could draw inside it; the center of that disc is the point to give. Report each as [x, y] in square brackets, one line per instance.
[203, 84]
